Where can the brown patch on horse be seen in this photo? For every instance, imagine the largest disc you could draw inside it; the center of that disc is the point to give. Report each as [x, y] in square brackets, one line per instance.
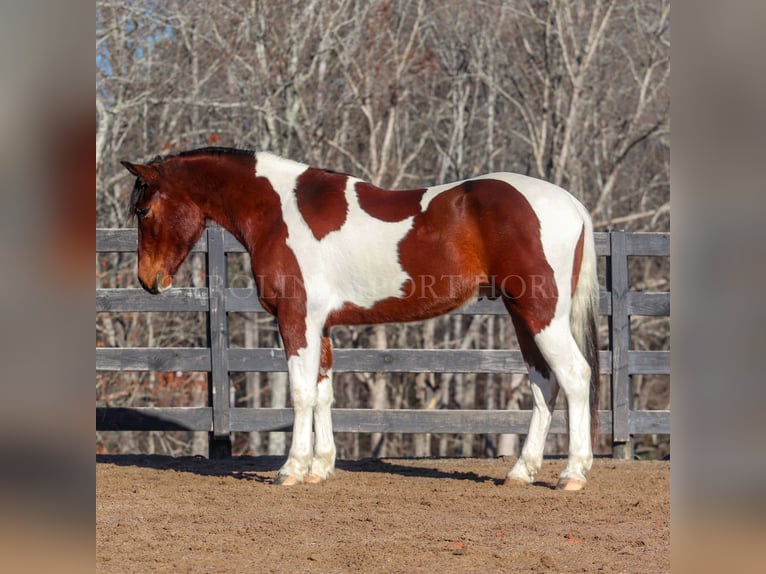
[325, 358]
[516, 261]
[278, 276]
[386, 205]
[322, 200]
[577, 260]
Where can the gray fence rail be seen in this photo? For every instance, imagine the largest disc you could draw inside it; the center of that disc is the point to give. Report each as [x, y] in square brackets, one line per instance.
[620, 362]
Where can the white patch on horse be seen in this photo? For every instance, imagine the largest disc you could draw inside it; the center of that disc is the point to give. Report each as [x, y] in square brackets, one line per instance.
[433, 191]
[357, 264]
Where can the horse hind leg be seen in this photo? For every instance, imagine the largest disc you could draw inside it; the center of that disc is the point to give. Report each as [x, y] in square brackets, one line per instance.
[558, 347]
[545, 389]
[323, 462]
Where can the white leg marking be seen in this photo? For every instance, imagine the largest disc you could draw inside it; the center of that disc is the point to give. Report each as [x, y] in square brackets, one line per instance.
[544, 392]
[302, 371]
[323, 463]
[573, 374]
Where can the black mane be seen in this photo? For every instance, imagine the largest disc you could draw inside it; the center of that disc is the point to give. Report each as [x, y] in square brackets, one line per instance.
[135, 196]
[210, 150]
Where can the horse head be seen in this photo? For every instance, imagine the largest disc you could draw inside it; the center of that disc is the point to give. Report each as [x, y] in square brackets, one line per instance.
[169, 224]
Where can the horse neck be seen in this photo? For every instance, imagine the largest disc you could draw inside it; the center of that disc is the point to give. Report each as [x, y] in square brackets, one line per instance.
[226, 190]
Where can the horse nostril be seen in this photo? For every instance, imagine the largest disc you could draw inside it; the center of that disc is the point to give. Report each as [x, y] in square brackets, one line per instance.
[146, 287]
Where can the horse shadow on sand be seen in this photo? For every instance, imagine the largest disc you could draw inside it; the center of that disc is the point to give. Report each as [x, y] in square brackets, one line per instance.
[263, 468]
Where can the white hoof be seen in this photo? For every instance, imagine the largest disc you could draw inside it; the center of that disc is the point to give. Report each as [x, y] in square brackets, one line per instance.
[286, 480]
[567, 483]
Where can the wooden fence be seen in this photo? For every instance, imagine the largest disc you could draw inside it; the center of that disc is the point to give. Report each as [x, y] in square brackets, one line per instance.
[619, 303]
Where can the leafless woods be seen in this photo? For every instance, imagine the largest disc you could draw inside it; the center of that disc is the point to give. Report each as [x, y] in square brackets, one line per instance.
[401, 93]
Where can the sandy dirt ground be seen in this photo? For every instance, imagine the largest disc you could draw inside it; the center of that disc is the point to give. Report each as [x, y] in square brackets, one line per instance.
[161, 514]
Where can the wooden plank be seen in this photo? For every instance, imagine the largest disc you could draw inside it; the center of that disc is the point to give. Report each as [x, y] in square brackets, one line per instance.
[430, 360]
[442, 421]
[231, 244]
[264, 360]
[346, 360]
[397, 361]
[390, 360]
[605, 303]
[352, 420]
[651, 304]
[649, 362]
[154, 418]
[129, 300]
[650, 422]
[619, 329]
[408, 421]
[482, 307]
[116, 240]
[601, 240]
[657, 244]
[261, 419]
[125, 239]
[218, 339]
[496, 307]
[152, 359]
[245, 300]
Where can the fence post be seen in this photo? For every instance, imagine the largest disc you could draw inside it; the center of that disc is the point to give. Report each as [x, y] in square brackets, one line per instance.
[217, 324]
[619, 335]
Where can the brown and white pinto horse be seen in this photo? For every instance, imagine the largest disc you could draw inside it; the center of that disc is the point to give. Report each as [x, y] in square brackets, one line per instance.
[328, 249]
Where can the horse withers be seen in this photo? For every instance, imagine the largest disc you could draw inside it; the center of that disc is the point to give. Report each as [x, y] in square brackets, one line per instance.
[329, 249]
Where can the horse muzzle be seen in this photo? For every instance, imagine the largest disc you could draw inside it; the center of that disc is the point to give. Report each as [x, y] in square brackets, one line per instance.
[161, 283]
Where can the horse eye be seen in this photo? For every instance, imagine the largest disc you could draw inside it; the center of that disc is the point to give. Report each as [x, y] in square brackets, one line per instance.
[141, 213]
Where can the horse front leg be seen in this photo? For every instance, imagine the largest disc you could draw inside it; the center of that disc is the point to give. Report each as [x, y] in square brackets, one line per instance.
[323, 463]
[303, 357]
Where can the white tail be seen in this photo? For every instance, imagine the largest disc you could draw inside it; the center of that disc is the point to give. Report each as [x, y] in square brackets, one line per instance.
[583, 319]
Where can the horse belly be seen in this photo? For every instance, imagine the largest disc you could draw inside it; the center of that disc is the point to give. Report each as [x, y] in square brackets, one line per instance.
[422, 300]
[441, 275]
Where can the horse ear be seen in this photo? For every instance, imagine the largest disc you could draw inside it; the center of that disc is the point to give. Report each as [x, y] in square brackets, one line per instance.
[148, 173]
